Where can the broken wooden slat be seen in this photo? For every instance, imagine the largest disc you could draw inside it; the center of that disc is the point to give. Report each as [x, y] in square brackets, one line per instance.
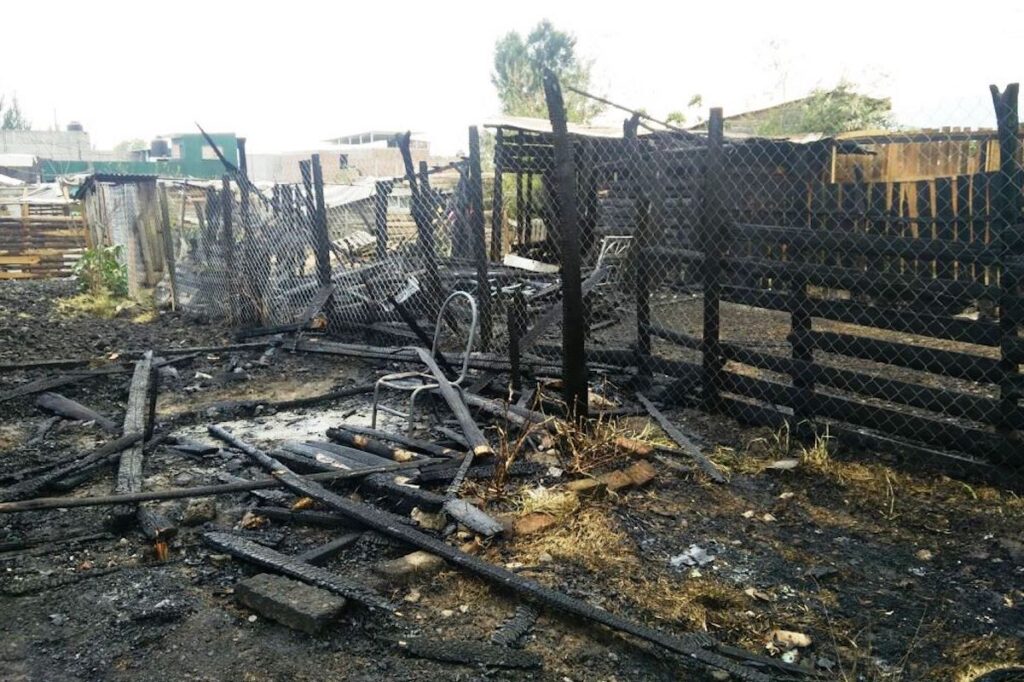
[697, 646]
[446, 472]
[413, 443]
[305, 516]
[470, 653]
[48, 383]
[264, 557]
[477, 441]
[65, 407]
[682, 440]
[323, 553]
[356, 440]
[472, 517]
[360, 456]
[179, 493]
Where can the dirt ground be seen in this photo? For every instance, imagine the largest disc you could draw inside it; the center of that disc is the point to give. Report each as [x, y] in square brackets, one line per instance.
[893, 574]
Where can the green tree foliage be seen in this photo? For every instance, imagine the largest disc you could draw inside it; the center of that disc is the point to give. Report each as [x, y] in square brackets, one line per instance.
[519, 63]
[839, 110]
[125, 146]
[11, 117]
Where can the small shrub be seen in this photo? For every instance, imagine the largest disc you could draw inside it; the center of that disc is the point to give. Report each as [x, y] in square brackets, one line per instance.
[100, 270]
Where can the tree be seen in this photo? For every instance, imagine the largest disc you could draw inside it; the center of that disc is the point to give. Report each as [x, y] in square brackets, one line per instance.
[679, 118]
[519, 65]
[12, 118]
[839, 110]
[126, 146]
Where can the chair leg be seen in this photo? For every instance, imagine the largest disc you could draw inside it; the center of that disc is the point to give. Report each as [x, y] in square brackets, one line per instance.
[412, 406]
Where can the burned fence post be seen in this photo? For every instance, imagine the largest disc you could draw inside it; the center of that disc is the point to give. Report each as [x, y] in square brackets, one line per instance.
[322, 240]
[574, 360]
[382, 190]
[800, 334]
[227, 242]
[517, 320]
[424, 229]
[711, 222]
[497, 205]
[1007, 229]
[639, 179]
[168, 239]
[479, 239]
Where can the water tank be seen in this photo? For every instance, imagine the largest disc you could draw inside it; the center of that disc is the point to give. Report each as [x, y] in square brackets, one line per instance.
[159, 148]
[75, 127]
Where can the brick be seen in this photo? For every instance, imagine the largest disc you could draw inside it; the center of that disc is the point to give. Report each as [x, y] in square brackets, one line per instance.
[297, 605]
[410, 566]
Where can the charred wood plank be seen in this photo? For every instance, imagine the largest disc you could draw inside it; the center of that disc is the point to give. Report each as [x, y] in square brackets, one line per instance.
[414, 443]
[685, 443]
[478, 443]
[697, 647]
[309, 518]
[179, 493]
[266, 558]
[368, 444]
[65, 407]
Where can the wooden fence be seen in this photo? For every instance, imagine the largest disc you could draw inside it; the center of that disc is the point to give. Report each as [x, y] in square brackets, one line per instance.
[900, 309]
[38, 241]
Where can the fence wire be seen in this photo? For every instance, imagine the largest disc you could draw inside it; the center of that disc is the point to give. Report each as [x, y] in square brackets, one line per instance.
[867, 282]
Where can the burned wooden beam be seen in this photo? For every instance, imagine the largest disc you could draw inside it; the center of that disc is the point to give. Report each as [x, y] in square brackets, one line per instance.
[413, 443]
[266, 558]
[356, 440]
[685, 443]
[477, 442]
[470, 653]
[179, 493]
[696, 646]
[304, 516]
[69, 409]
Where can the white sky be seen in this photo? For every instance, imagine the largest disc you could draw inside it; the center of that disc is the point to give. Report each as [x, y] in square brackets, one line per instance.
[289, 74]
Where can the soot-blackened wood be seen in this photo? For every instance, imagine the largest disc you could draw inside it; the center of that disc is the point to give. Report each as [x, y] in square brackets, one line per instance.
[574, 352]
[47, 383]
[478, 443]
[310, 518]
[447, 472]
[138, 417]
[32, 486]
[478, 230]
[227, 245]
[382, 190]
[910, 321]
[425, 238]
[949, 363]
[412, 443]
[65, 407]
[180, 493]
[168, 243]
[273, 497]
[557, 311]
[368, 444]
[264, 557]
[712, 220]
[326, 552]
[517, 318]
[641, 247]
[424, 338]
[497, 205]
[686, 443]
[321, 239]
[697, 647]
[1007, 228]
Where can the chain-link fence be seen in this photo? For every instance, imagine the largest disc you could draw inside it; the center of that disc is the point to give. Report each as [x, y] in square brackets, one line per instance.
[867, 281]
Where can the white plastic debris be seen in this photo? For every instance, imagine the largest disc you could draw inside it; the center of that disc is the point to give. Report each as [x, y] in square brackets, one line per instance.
[694, 556]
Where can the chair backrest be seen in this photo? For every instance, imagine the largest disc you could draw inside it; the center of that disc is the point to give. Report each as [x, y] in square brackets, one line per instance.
[470, 338]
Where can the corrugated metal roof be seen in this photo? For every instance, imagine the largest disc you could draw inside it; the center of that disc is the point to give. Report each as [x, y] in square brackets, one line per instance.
[15, 160]
[341, 195]
[540, 125]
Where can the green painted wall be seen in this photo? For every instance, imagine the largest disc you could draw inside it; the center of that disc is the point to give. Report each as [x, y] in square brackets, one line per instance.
[190, 165]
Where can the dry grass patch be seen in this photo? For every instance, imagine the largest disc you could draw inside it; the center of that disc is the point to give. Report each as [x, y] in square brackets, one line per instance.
[588, 538]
